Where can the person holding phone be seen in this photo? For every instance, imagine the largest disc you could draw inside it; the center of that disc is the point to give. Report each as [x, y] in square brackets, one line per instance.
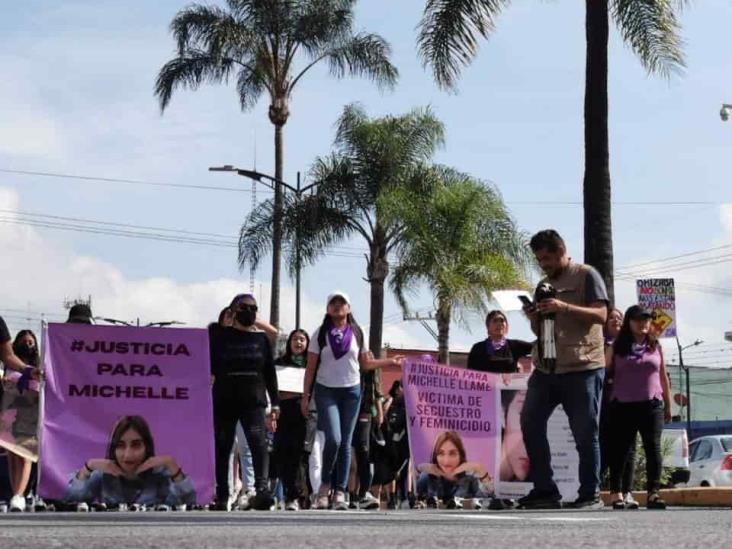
[497, 353]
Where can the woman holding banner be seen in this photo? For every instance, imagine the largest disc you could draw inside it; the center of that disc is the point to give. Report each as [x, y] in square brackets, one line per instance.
[449, 476]
[244, 375]
[497, 353]
[131, 473]
[336, 357]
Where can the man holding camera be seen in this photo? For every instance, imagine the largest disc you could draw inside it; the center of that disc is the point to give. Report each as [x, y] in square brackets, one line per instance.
[567, 315]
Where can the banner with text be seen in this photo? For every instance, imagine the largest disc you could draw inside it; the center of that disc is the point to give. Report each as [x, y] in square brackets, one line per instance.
[95, 375]
[513, 462]
[658, 296]
[451, 420]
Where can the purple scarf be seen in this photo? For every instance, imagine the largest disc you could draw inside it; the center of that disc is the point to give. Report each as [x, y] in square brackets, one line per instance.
[492, 348]
[637, 350]
[340, 340]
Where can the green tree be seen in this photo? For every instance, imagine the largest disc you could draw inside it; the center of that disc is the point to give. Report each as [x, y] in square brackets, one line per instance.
[371, 156]
[459, 240]
[448, 41]
[259, 44]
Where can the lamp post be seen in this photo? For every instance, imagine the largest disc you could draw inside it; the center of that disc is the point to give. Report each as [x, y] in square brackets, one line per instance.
[688, 385]
[271, 182]
[724, 111]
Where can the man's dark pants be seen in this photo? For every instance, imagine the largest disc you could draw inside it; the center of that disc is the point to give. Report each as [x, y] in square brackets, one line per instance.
[580, 394]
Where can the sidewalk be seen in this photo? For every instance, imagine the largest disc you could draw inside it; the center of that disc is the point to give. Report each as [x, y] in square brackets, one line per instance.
[688, 497]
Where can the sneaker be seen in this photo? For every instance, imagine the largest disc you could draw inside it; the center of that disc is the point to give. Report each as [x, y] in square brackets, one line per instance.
[162, 507]
[352, 500]
[180, 507]
[99, 507]
[262, 501]
[82, 507]
[39, 506]
[655, 502]
[220, 505]
[243, 502]
[499, 504]
[3, 506]
[454, 503]
[540, 500]
[339, 501]
[586, 503]
[630, 502]
[292, 505]
[368, 502]
[322, 499]
[17, 504]
[431, 502]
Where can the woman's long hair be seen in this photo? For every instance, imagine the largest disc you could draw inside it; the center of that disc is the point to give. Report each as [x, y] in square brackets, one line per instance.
[124, 424]
[451, 436]
[286, 357]
[34, 361]
[623, 344]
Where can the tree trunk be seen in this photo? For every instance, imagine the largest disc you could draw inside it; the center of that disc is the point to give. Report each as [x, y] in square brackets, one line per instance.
[596, 189]
[377, 270]
[442, 316]
[274, 305]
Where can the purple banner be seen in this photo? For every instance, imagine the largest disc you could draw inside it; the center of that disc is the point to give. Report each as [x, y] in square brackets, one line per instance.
[451, 417]
[112, 391]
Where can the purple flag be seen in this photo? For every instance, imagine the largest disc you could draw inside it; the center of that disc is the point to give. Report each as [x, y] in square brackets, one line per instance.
[94, 375]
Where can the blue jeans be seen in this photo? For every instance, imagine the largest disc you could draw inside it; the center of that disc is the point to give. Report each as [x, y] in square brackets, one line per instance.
[580, 394]
[337, 414]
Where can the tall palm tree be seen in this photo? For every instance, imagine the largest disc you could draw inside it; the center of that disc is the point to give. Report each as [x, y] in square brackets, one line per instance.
[460, 241]
[448, 41]
[259, 44]
[371, 156]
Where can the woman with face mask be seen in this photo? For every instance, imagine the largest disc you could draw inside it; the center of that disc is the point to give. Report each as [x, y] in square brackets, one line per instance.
[25, 404]
[244, 375]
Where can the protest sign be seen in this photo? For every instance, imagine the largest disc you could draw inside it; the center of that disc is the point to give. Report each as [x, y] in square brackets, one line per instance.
[96, 374]
[290, 379]
[658, 296]
[513, 463]
[451, 410]
[19, 417]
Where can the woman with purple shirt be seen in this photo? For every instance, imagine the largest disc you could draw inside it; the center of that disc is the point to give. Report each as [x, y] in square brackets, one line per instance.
[336, 357]
[640, 402]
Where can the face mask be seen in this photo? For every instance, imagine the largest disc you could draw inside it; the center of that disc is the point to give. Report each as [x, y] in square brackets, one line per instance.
[246, 317]
[28, 351]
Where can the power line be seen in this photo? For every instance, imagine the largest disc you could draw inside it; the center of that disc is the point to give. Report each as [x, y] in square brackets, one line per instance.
[126, 181]
[673, 257]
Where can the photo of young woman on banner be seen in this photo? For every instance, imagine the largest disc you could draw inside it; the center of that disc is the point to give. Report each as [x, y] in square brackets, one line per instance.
[127, 416]
[453, 431]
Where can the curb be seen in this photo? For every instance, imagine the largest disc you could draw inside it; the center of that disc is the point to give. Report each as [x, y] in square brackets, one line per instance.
[686, 497]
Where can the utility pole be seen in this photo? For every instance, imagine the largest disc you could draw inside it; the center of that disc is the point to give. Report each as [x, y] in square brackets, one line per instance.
[688, 382]
[424, 321]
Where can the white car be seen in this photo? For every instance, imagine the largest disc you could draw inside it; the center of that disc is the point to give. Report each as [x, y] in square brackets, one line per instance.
[711, 461]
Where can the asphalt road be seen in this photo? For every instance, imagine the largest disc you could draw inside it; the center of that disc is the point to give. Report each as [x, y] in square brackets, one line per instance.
[679, 527]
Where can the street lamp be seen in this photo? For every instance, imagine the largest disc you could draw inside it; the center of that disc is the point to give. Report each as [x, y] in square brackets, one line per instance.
[271, 182]
[724, 112]
[688, 385]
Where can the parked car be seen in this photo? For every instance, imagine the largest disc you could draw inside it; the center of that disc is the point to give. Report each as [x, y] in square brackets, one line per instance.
[711, 461]
[676, 454]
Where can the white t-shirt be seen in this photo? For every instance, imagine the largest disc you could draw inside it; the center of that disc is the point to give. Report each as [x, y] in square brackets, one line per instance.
[344, 372]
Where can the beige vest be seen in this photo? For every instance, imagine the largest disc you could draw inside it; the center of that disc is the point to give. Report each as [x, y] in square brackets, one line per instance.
[580, 345]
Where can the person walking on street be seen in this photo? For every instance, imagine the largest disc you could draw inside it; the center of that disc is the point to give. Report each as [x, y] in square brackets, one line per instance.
[567, 315]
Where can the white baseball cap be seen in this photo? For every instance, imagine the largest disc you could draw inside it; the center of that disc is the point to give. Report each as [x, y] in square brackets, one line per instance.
[338, 293]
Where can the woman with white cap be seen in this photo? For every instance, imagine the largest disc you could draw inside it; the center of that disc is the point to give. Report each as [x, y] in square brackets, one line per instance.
[336, 357]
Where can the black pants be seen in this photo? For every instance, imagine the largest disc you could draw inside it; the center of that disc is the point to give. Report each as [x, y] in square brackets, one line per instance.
[606, 448]
[625, 421]
[361, 445]
[289, 444]
[227, 411]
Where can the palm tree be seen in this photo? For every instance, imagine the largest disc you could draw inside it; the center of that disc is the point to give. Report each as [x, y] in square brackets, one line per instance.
[460, 241]
[259, 43]
[448, 41]
[371, 156]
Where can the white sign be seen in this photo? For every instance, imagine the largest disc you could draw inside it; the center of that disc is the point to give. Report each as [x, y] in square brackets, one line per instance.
[290, 379]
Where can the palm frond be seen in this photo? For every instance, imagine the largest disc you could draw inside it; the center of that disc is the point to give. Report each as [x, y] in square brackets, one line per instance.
[652, 30]
[190, 71]
[449, 31]
[255, 236]
[365, 55]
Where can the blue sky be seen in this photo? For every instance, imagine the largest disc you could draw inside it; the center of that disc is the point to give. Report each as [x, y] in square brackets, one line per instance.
[76, 98]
